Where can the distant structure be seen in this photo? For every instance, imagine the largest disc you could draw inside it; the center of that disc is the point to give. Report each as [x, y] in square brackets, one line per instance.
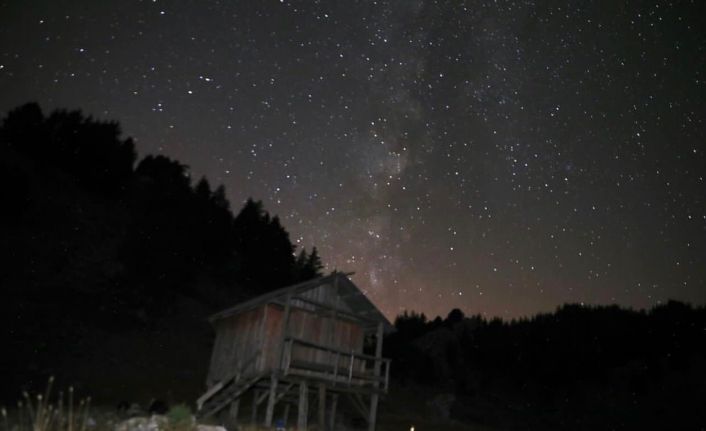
[296, 346]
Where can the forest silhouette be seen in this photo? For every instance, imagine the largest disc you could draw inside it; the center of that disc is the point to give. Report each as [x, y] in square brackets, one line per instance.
[580, 367]
[95, 244]
[109, 267]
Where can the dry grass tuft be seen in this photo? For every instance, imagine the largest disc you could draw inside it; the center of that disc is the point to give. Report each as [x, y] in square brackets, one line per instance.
[39, 413]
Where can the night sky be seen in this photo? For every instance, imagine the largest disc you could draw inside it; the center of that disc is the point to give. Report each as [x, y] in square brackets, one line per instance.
[501, 157]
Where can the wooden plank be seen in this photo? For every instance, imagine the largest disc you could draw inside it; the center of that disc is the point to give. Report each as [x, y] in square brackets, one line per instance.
[262, 396]
[284, 392]
[235, 337]
[328, 308]
[285, 332]
[209, 393]
[221, 404]
[303, 412]
[308, 343]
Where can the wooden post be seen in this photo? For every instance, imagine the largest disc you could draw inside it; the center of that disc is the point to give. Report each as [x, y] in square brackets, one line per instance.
[260, 360]
[378, 364]
[286, 414]
[322, 407]
[285, 332]
[303, 406]
[332, 417]
[253, 417]
[233, 412]
[271, 400]
[332, 335]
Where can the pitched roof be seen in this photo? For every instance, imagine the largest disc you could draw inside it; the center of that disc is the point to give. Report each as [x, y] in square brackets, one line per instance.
[353, 297]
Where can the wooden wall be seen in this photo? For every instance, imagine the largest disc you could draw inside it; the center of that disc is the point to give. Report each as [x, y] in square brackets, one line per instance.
[238, 337]
[306, 325]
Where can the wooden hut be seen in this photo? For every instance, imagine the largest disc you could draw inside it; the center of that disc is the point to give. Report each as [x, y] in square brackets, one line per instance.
[297, 346]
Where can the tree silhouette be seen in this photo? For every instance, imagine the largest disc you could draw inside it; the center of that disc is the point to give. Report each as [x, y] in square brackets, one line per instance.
[94, 246]
[584, 366]
[455, 316]
[92, 151]
[264, 252]
[174, 233]
[308, 266]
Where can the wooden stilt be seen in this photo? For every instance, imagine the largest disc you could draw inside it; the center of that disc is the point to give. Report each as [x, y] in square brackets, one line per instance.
[332, 417]
[253, 417]
[271, 400]
[378, 366]
[373, 412]
[233, 412]
[303, 407]
[322, 407]
[286, 413]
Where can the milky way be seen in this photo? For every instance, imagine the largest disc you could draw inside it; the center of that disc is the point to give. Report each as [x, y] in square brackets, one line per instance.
[500, 157]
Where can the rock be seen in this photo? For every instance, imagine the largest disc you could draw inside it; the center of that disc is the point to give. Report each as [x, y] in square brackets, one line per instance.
[141, 423]
[158, 407]
[134, 410]
[201, 427]
[122, 407]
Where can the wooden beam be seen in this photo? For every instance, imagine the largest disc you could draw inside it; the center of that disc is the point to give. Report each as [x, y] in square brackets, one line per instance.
[253, 413]
[303, 406]
[307, 343]
[260, 361]
[272, 296]
[271, 400]
[284, 392]
[333, 336]
[332, 414]
[224, 403]
[233, 412]
[262, 396]
[209, 393]
[347, 314]
[378, 365]
[286, 414]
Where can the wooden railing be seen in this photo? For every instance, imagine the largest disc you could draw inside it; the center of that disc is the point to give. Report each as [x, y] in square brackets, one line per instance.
[335, 365]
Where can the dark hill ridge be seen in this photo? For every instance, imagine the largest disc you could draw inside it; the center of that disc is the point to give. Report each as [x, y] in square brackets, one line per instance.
[108, 270]
[581, 367]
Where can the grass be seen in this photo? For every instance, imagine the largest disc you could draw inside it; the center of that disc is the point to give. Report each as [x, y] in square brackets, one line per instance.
[39, 413]
[180, 418]
[400, 410]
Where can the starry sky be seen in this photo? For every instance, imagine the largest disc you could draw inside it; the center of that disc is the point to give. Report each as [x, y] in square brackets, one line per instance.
[502, 157]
